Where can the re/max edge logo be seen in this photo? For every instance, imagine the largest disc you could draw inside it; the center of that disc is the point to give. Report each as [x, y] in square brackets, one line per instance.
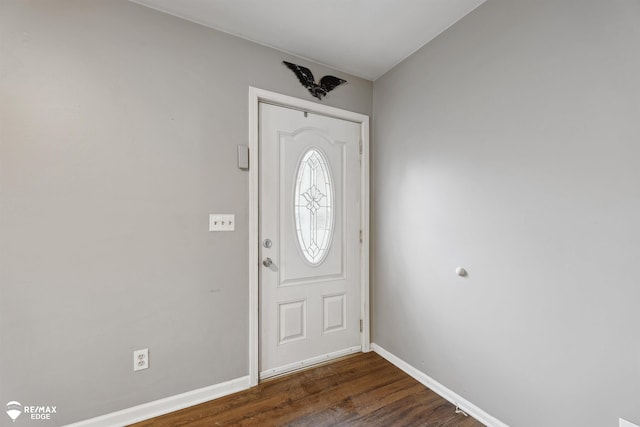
[36, 412]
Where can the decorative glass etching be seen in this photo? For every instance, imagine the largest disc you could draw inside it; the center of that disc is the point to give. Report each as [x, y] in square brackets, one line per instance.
[313, 206]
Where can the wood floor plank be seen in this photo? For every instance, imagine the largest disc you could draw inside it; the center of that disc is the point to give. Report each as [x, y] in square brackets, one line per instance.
[360, 390]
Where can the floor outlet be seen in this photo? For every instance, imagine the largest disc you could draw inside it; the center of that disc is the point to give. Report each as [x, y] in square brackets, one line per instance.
[140, 359]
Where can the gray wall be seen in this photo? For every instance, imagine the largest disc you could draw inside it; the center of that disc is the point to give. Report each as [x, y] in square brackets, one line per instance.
[510, 145]
[118, 135]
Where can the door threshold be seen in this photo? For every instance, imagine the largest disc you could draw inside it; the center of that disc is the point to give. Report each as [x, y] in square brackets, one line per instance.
[308, 363]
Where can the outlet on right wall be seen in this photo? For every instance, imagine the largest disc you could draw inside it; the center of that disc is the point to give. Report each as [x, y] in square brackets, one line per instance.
[510, 146]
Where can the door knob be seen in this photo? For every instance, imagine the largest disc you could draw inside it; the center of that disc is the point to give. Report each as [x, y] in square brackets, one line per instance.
[267, 262]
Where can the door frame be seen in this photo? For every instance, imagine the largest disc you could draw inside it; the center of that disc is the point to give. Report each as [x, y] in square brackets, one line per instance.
[255, 97]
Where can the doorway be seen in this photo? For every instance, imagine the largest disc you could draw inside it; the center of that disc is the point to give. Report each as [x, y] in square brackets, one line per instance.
[309, 231]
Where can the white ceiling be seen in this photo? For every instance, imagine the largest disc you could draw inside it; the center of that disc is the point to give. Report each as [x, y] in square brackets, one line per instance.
[362, 37]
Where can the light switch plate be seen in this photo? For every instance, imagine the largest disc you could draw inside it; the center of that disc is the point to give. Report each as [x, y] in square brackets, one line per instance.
[222, 222]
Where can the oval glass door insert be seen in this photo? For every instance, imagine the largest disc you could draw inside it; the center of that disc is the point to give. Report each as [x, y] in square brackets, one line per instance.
[313, 206]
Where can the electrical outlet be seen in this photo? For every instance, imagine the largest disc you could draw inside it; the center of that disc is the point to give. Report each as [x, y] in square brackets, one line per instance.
[140, 359]
[222, 222]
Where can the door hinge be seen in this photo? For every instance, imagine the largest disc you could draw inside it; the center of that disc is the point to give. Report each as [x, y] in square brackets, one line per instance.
[360, 147]
[360, 236]
[361, 325]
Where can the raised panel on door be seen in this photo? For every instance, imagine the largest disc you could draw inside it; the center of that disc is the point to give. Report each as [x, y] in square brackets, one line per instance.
[324, 260]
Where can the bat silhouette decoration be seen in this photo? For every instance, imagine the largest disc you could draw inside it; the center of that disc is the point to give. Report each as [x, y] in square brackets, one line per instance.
[327, 83]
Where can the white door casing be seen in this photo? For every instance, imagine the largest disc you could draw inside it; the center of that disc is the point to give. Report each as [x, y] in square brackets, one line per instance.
[313, 187]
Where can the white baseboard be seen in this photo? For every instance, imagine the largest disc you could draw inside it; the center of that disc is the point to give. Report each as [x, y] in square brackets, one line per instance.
[164, 406]
[625, 423]
[466, 406]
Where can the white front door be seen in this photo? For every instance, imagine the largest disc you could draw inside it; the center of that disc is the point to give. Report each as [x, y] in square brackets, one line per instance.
[310, 210]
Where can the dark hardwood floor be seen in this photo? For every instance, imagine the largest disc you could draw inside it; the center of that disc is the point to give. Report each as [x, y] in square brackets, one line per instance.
[361, 390]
